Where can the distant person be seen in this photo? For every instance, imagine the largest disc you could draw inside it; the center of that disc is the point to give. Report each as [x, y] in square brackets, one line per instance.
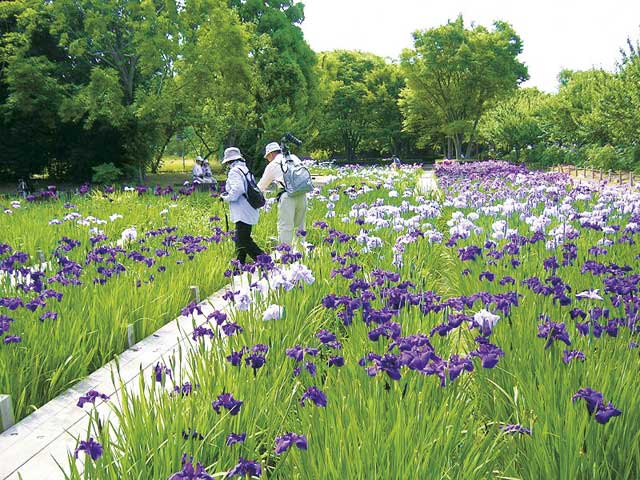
[242, 213]
[395, 162]
[197, 173]
[207, 175]
[292, 208]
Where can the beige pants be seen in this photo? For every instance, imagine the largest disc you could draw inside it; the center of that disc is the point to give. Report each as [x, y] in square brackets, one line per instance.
[291, 216]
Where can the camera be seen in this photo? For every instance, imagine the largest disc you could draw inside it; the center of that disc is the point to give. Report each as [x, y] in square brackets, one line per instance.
[290, 138]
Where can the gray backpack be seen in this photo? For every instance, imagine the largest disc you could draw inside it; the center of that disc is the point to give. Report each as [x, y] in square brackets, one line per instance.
[296, 177]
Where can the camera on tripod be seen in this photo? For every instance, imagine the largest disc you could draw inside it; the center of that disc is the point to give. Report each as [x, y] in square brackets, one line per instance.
[288, 138]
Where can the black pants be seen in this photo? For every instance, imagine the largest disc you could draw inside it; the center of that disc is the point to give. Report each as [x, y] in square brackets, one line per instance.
[245, 244]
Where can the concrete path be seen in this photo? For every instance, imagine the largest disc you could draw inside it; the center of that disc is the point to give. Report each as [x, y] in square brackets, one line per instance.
[427, 182]
[32, 447]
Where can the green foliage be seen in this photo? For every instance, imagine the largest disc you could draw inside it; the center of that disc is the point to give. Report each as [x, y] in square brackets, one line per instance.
[512, 126]
[285, 86]
[106, 173]
[454, 74]
[359, 105]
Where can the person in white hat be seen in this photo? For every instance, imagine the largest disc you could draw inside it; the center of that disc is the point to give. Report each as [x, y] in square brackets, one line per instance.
[292, 211]
[242, 213]
[197, 173]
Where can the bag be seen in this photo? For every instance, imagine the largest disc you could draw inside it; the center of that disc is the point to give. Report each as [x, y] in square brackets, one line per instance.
[253, 194]
[296, 177]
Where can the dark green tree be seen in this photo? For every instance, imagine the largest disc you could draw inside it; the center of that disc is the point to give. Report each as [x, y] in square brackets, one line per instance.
[454, 74]
[286, 86]
[359, 109]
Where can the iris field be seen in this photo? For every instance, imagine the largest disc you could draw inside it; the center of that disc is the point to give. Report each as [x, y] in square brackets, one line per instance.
[486, 330]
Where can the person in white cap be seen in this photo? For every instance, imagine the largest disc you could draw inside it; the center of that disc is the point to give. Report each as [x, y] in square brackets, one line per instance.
[242, 213]
[197, 173]
[292, 211]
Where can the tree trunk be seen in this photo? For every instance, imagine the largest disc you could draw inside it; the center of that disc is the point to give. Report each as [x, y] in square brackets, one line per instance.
[457, 143]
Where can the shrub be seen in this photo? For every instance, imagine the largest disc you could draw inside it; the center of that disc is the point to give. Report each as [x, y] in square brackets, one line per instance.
[106, 173]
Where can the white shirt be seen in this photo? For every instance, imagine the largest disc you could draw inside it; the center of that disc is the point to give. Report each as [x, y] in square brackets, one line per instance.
[236, 187]
[197, 171]
[273, 172]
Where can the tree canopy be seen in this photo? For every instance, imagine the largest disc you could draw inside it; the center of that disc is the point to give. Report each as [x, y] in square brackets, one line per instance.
[86, 83]
[454, 74]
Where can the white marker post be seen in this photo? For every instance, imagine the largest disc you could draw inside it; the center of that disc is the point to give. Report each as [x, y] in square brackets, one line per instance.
[7, 419]
[195, 293]
[131, 336]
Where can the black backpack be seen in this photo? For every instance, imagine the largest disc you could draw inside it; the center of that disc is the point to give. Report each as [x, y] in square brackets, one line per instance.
[253, 194]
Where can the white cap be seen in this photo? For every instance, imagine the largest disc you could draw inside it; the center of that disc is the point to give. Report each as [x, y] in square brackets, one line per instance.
[199, 159]
[231, 154]
[272, 147]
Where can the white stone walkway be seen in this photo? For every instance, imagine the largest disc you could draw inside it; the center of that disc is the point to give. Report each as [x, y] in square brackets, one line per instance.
[427, 182]
[30, 449]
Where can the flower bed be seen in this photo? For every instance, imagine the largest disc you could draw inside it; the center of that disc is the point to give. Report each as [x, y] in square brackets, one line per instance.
[111, 260]
[490, 334]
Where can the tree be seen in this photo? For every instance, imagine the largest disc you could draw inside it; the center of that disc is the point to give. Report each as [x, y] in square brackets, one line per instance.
[455, 74]
[286, 87]
[359, 104]
[513, 125]
[215, 82]
[114, 81]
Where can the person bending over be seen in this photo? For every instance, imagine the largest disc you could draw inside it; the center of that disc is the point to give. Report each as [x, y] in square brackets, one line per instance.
[242, 213]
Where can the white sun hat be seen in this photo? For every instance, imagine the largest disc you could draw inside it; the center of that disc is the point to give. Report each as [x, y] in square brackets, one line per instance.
[271, 147]
[231, 154]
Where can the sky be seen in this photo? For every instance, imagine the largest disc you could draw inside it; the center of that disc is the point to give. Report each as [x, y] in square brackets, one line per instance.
[558, 34]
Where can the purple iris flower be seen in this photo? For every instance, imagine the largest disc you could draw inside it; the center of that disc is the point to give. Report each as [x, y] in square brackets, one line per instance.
[255, 361]
[234, 438]
[218, 316]
[5, 324]
[288, 440]
[316, 395]
[160, 370]
[297, 353]
[592, 397]
[12, 339]
[553, 331]
[193, 434]
[311, 368]
[191, 309]
[48, 316]
[202, 331]
[568, 356]
[90, 397]
[457, 365]
[506, 280]
[189, 472]
[515, 428]
[488, 353]
[595, 403]
[336, 361]
[605, 412]
[11, 303]
[325, 336]
[235, 358]
[388, 329]
[227, 401]
[389, 363]
[487, 275]
[245, 468]
[91, 448]
[231, 328]
[185, 389]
